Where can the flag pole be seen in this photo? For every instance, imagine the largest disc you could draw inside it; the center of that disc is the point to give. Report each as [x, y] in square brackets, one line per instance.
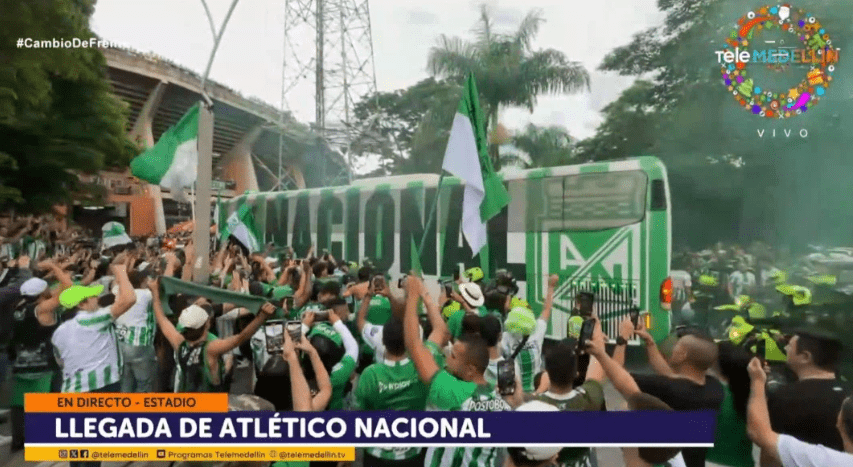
[201, 228]
[431, 215]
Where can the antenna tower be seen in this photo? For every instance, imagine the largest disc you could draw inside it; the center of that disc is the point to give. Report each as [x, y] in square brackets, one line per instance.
[328, 55]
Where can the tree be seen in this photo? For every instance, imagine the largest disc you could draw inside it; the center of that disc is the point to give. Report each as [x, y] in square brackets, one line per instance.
[409, 127]
[541, 147]
[711, 145]
[507, 69]
[57, 111]
[629, 128]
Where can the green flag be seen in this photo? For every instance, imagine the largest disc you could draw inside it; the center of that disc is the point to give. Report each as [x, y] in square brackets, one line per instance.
[467, 157]
[173, 162]
[241, 225]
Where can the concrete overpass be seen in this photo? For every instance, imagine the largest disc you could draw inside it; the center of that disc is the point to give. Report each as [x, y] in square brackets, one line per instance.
[246, 131]
[247, 134]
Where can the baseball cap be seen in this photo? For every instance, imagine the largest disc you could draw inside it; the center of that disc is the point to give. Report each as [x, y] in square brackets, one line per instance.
[474, 274]
[539, 453]
[33, 287]
[114, 235]
[454, 323]
[472, 294]
[450, 308]
[193, 317]
[325, 330]
[520, 321]
[75, 294]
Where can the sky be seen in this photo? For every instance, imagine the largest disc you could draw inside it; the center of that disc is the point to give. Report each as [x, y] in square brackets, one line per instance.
[250, 55]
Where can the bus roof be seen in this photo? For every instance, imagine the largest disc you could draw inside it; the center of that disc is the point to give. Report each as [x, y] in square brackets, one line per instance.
[617, 165]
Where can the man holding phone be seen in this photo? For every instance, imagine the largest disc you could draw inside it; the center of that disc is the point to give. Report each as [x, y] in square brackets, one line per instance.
[461, 386]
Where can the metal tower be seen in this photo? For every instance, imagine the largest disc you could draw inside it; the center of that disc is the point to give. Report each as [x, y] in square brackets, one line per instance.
[328, 54]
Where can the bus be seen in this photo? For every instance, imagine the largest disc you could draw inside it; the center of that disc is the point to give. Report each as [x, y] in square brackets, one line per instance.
[602, 227]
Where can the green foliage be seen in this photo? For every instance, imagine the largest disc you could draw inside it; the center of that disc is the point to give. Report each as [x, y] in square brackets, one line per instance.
[778, 188]
[543, 147]
[409, 127]
[57, 110]
[508, 70]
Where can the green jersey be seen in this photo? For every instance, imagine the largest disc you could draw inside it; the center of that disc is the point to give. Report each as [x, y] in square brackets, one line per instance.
[448, 393]
[340, 376]
[391, 385]
[589, 396]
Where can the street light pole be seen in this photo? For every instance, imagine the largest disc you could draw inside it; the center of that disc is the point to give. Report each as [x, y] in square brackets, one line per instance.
[201, 230]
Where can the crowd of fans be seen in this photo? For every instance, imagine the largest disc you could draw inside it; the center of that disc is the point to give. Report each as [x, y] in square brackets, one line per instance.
[81, 315]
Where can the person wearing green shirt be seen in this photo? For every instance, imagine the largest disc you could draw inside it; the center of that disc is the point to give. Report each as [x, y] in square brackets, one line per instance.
[732, 446]
[338, 351]
[461, 386]
[392, 384]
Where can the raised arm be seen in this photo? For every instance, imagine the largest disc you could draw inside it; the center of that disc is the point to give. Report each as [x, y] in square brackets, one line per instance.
[422, 358]
[324, 382]
[440, 333]
[221, 346]
[656, 359]
[299, 390]
[361, 317]
[303, 293]
[169, 332]
[45, 309]
[758, 426]
[126, 295]
[601, 364]
[549, 299]
[350, 344]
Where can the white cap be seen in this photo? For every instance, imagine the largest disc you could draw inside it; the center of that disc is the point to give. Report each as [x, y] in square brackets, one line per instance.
[193, 317]
[472, 294]
[33, 287]
[539, 453]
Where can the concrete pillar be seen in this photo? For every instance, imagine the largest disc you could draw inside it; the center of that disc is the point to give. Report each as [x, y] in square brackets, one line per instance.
[238, 164]
[143, 131]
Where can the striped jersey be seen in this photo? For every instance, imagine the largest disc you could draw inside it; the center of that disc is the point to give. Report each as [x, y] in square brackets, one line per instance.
[391, 385]
[88, 349]
[448, 393]
[529, 359]
[136, 326]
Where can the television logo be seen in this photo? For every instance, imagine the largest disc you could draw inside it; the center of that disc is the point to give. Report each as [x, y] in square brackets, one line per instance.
[816, 51]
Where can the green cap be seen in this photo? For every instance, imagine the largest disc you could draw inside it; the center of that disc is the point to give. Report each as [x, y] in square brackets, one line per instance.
[450, 308]
[519, 302]
[324, 329]
[454, 323]
[521, 321]
[282, 291]
[75, 294]
[574, 327]
[474, 274]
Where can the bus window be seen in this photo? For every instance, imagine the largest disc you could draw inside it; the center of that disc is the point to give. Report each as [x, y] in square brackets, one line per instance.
[605, 200]
[536, 204]
[658, 195]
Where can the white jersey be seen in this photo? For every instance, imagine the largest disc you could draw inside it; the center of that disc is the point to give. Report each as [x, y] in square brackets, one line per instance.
[88, 349]
[136, 326]
[529, 359]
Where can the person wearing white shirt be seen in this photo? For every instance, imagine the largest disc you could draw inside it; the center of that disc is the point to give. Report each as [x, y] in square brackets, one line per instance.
[787, 450]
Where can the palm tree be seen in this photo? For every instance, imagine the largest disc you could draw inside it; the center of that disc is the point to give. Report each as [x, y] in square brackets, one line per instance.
[508, 71]
[538, 147]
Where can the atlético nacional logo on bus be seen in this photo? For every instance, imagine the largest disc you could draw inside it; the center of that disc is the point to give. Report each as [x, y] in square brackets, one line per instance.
[800, 44]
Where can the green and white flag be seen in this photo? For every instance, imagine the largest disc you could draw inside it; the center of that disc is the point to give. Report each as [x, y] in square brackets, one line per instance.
[241, 224]
[173, 162]
[467, 157]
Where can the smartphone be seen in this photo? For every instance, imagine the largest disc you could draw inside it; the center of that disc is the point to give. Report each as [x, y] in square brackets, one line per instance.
[378, 281]
[274, 332]
[287, 303]
[506, 377]
[294, 328]
[634, 313]
[587, 328]
[322, 315]
[448, 288]
[761, 351]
